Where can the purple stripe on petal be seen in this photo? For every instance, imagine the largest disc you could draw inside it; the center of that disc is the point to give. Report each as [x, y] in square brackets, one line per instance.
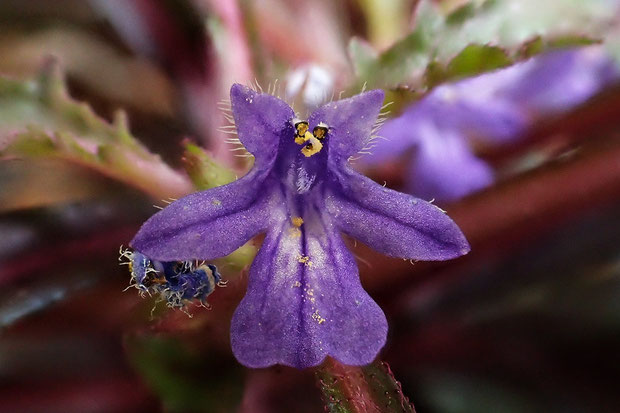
[305, 302]
[209, 224]
[393, 223]
[261, 121]
[350, 122]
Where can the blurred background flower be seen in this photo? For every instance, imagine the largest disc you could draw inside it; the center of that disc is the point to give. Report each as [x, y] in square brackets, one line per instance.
[436, 135]
[522, 152]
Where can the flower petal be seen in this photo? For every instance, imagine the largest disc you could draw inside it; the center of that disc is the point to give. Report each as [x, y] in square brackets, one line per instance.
[305, 302]
[350, 122]
[494, 121]
[561, 79]
[443, 166]
[398, 140]
[208, 224]
[261, 120]
[391, 222]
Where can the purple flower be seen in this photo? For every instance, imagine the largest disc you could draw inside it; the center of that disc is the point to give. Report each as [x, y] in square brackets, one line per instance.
[495, 108]
[304, 298]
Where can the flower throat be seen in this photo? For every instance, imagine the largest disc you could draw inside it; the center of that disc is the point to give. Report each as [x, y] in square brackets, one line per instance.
[312, 142]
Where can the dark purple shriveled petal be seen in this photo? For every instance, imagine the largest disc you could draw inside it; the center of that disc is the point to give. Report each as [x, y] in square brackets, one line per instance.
[393, 223]
[261, 120]
[296, 313]
[350, 122]
[208, 224]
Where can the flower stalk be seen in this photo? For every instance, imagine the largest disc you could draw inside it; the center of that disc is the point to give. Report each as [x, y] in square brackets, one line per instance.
[361, 389]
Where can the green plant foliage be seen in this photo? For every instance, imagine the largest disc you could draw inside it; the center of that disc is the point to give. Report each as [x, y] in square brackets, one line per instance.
[472, 60]
[204, 171]
[39, 119]
[477, 37]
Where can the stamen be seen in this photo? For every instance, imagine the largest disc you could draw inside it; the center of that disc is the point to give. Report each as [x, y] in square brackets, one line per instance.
[313, 147]
[320, 131]
[313, 140]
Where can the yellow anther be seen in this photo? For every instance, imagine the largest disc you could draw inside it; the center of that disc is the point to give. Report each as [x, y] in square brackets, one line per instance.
[319, 132]
[311, 141]
[297, 221]
[303, 138]
[313, 146]
[302, 128]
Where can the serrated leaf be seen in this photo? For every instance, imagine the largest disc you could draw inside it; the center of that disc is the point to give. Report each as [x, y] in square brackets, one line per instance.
[405, 57]
[519, 28]
[472, 60]
[84, 53]
[476, 59]
[39, 119]
[510, 23]
[532, 47]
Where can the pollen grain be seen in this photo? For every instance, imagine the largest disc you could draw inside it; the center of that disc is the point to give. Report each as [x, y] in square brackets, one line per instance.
[304, 259]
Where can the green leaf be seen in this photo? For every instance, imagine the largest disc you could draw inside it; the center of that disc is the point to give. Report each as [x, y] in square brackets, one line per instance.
[204, 171]
[532, 47]
[480, 36]
[405, 57]
[476, 59]
[362, 57]
[461, 14]
[472, 60]
[354, 389]
[39, 119]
